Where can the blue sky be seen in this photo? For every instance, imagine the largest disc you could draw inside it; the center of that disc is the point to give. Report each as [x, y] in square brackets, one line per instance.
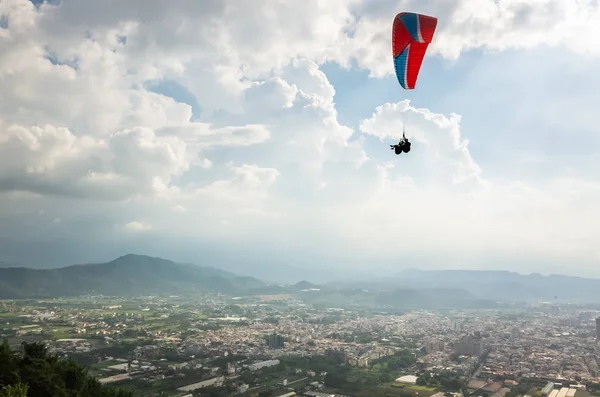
[226, 145]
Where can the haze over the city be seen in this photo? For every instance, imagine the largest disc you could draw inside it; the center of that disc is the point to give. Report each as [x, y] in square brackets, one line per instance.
[256, 135]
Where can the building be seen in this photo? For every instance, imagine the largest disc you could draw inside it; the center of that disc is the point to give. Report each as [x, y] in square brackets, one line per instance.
[597, 328]
[456, 326]
[318, 394]
[275, 341]
[470, 345]
[218, 381]
[548, 388]
[409, 379]
[262, 364]
[362, 361]
[433, 346]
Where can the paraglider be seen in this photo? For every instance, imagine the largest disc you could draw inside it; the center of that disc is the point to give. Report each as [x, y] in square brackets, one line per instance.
[411, 35]
[402, 146]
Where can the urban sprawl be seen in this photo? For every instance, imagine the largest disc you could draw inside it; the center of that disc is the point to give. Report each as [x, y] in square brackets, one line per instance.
[279, 346]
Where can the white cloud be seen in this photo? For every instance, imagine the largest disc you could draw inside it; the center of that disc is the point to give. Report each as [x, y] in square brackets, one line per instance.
[266, 159]
[439, 134]
[469, 24]
[248, 186]
[136, 226]
[439, 199]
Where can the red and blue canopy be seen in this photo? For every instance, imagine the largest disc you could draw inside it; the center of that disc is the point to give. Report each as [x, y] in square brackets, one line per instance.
[411, 35]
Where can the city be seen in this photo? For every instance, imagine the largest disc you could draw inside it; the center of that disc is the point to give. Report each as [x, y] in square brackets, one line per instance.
[276, 345]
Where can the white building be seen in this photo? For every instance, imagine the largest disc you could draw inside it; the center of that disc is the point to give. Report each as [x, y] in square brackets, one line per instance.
[263, 364]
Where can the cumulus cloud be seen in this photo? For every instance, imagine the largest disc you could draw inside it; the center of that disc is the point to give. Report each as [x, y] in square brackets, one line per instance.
[261, 156]
[439, 135]
[51, 160]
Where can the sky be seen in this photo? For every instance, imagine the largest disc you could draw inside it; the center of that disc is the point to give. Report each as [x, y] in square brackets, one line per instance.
[254, 136]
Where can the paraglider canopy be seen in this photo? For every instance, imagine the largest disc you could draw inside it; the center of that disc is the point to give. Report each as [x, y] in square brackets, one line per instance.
[411, 35]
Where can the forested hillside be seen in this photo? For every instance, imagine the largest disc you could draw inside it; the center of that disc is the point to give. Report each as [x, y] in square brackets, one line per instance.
[35, 373]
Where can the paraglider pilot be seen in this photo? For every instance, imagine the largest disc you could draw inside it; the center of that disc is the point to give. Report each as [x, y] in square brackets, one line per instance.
[402, 146]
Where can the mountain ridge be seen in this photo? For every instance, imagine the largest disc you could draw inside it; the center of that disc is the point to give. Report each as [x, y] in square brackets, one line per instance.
[127, 274]
[142, 274]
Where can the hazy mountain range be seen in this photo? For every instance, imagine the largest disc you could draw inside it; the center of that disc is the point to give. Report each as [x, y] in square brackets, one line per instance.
[497, 285]
[139, 274]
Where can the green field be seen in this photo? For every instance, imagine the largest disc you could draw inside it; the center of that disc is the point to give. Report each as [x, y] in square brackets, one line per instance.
[105, 364]
[61, 335]
[11, 315]
[422, 391]
[62, 332]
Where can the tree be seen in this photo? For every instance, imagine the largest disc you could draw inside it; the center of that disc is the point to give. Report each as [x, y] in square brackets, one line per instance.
[335, 379]
[247, 377]
[8, 375]
[384, 378]
[17, 390]
[451, 384]
[35, 373]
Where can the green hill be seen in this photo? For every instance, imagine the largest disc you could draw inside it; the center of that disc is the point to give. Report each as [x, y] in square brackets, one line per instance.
[127, 275]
